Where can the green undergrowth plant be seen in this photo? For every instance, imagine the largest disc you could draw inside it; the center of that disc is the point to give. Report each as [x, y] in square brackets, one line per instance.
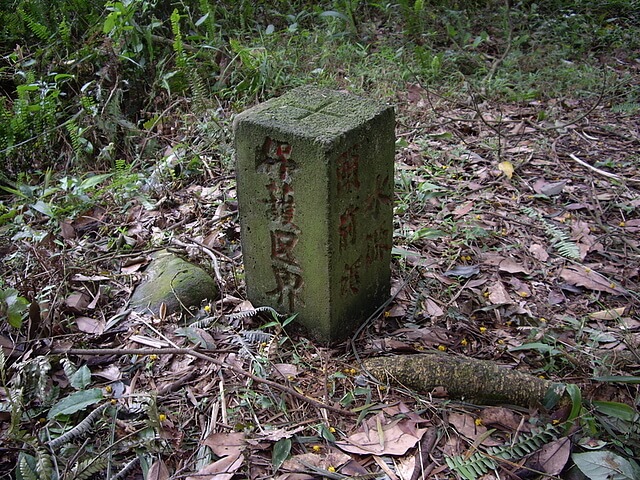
[68, 433]
[560, 239]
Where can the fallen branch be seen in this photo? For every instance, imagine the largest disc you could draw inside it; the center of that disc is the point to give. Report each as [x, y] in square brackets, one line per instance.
[602, 172]
[202, 356]
[474, 380]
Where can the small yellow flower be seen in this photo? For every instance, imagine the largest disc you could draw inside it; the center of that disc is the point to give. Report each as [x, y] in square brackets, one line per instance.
[290, 378]
[207, 308]
[478, 422]
[316, 448]
[555, 421]
[442, 348]
[331, 469]
[332, 430]
[485, 294]
[612, 285]
[153, 357]
[387, 313]
[382, 388]
[621, 224]
[108, 389]
[501, 341]
[543, 320]
[523, 294]
[113, 401]
[464, 342]
[162, 417]
[483, 329]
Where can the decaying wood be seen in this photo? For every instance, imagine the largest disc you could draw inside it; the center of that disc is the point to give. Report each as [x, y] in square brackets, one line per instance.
[463, 378]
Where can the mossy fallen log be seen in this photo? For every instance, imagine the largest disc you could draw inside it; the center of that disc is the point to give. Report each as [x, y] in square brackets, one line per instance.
[477, 381]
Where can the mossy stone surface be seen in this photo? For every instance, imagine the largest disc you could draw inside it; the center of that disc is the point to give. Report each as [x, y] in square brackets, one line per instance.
[173, 281]
[315, 192]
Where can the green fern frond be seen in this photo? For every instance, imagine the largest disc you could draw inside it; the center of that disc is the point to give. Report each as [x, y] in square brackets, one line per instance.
[88, 468]
[478, 464]
[76, 139]
[178, 46]
[559, 239]
[64, 29]
[80, 429]
[44, 465]
[628, 108]
[126, 469]
[37, 28]
[27, 467]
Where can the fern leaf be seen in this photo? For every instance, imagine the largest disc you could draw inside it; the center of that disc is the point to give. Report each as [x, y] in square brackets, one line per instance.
[38, 29]
[126, 469]
[88, 468]
[80, 429]
[27, 467]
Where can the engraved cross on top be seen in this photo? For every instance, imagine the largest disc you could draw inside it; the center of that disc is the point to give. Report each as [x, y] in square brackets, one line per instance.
[309, 111]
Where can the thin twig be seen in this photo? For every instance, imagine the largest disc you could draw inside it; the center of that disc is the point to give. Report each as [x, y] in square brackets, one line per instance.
[602, 172]
[202, 356]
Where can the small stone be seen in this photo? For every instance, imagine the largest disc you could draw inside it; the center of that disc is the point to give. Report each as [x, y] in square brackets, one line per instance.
[173, 281]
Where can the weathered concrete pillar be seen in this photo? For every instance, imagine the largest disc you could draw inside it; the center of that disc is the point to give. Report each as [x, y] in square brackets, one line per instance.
[315, 193]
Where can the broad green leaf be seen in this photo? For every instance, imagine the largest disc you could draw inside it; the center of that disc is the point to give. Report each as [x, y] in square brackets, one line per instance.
[43, 208]
[75, 402]
[325, 432]
[428, 233]
[576, 400]
[202, 19]
[95, 180]
[334, 14]
[616, 410]
[16, 306]
[606, 465]
[538, 346]
[281, 451]
[81, 379]
[617, 379]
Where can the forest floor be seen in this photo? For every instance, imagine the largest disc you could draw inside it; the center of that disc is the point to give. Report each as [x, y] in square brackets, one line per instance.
[532, 262]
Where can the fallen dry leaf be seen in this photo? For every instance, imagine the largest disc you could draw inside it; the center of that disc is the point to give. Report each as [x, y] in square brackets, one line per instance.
[539, 252]
[588, 278]
[552, 457]
[431, 308]
[158, 471]
[223, 444]
[90, 325]
[302, 462]
[463, 209]
[286, 370]
[506, 167]
[498, 295]
[78, 301]
[521, 288]
[394, 438]
[609, 314]
[223, 469]
[501, 417]
[509, 265]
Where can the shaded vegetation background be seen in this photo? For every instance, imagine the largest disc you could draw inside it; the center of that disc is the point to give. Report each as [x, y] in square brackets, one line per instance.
[115, 139]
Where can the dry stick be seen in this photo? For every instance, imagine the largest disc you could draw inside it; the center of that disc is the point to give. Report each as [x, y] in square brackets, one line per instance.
[202, 356]
[602, 172]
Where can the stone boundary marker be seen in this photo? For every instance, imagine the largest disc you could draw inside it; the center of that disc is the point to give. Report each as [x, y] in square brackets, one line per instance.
[315, 192]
